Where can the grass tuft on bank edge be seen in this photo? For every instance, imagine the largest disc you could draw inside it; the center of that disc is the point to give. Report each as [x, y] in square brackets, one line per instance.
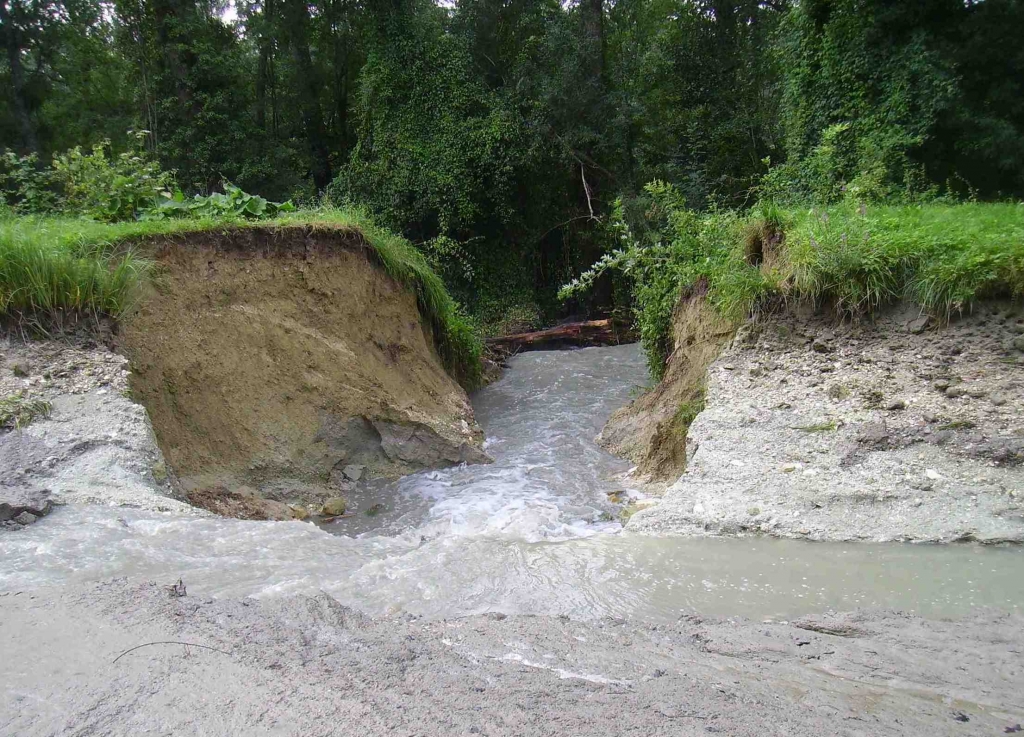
[50, 266]
[851, 257]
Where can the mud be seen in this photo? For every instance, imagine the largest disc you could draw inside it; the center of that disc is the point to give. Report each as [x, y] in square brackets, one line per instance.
[107, 659]
[271, 359]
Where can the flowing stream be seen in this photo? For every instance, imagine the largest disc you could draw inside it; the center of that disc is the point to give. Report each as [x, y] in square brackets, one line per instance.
[533, 533]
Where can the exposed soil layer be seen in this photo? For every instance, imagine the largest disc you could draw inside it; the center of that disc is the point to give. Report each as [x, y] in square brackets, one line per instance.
[894, 429]
[109, 659]
[651, 430]
[271, 359]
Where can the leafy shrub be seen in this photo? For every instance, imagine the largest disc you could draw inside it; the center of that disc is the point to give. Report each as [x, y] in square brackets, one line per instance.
[27, 187]
[233, 203]
[110, 188]
[852, 258]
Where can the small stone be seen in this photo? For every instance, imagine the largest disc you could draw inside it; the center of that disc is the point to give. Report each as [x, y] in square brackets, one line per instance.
[353, 472]
[820, 346]
[997, 400]
[933, 474]
[930, 417]
[790, 467]
[941, 385]
[838, 392]
[334, 507]
[298, 511]
[698, 508]
[25, 518]
[20, 369]
[918, 325]
[918, 502]
[729, 367]
[811, 472]
[754, 511]
[896, 405]
[976, 392]
[955, 391]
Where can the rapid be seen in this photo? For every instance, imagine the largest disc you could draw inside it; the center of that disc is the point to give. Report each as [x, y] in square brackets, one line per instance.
[533, 533]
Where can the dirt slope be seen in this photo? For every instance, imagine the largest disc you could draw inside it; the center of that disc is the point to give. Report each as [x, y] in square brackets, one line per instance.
[651, 430]
[270, 360]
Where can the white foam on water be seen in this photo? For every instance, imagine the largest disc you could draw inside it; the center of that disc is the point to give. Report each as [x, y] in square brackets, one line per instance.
[527, 534]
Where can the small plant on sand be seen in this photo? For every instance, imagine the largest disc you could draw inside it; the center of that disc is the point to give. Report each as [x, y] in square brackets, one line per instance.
[17, 411]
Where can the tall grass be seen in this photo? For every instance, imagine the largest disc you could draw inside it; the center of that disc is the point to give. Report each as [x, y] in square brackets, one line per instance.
[49, 266]
[943, 257]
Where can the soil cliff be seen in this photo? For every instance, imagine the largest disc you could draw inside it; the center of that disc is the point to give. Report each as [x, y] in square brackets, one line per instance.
[285, 363]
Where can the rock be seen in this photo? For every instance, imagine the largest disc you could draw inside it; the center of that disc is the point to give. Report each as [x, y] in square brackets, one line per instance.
[420, 446]
[976, 392]
[932, 474]
[955, 391]
[20, 369]
[334, 507]
[754, 511]
[918, 325]
[941, 385]
[17, 499]
[820, 346]
[838, 392]
[998, 400]
[299, 511]
[353, 472]
[896, 405]
[25, 518]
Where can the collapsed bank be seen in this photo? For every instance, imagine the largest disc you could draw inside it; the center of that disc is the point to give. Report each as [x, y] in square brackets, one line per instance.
[265, 370]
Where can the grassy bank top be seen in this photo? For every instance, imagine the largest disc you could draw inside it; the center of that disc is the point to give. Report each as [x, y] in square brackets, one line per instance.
[850, 257]
[51, 265]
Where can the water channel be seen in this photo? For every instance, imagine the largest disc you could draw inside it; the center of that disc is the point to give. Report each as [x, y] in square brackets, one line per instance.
[533, 533]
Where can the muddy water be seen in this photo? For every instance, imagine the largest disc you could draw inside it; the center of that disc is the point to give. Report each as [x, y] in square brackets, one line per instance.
[532, 533]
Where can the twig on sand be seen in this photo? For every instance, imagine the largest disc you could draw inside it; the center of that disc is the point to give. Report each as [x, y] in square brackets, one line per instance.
[170, 642]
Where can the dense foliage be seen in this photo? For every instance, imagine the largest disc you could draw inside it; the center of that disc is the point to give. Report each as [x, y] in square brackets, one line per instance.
[497, 135]
[849, 257]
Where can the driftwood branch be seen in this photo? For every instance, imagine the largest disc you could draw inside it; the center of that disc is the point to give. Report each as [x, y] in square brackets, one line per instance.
[590, 332]
[170, 642]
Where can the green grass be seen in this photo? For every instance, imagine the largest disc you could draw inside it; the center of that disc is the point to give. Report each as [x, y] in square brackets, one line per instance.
[17, 411]
[821, 427]
[54, 265]
[943, 257]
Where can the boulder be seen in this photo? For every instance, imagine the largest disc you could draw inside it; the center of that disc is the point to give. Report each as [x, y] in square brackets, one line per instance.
[15, 500]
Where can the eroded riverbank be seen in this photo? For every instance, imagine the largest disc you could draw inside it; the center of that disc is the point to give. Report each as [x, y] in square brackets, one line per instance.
[533, 533]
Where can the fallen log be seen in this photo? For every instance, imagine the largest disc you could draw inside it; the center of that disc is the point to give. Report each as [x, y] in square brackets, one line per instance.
[572, 334]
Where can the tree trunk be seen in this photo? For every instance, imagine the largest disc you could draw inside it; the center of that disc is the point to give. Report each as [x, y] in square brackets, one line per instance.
[296, 15]
[13, 47]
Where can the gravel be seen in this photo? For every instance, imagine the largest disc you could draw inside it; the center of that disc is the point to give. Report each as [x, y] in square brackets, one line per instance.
[97, 445]
[858, 432]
